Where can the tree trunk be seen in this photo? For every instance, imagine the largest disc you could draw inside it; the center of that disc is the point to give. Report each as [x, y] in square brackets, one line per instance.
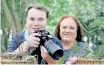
[10, 17]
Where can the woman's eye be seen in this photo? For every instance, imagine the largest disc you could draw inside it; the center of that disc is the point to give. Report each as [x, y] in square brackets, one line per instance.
[64, 27]
[71, 27]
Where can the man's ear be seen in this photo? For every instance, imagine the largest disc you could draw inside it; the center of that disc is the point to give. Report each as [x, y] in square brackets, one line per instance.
[46, 21]
[25, 25]
[26, 22]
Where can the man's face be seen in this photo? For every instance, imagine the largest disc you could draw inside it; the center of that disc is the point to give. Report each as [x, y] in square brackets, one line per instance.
[36, 20]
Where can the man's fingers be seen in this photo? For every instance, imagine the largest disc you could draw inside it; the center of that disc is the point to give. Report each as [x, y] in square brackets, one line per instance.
[33, 41]
[35, 34]
[36, 43]
[43, 49]
[36, 39]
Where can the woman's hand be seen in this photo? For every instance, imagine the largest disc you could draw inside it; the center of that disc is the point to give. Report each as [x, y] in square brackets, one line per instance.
[71, 60]
[46, 56]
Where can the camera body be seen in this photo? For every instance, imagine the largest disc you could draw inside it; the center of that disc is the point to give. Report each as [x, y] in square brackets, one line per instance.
[45, 39]
[45, 35]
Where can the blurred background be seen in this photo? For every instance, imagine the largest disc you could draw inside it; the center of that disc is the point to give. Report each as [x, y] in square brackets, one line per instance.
[89, 12]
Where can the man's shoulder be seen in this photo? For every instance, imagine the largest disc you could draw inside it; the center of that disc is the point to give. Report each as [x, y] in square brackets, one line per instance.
[56, 40]
[16, 41]
[19, 35]
[54, 37]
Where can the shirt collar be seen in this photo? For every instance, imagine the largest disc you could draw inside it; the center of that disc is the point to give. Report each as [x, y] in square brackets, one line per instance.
[26, 35]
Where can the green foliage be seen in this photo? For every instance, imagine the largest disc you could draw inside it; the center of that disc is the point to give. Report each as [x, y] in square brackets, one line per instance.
[28, 58]
[89, 12]
[61, 60]
[99, 52]
[75, 47]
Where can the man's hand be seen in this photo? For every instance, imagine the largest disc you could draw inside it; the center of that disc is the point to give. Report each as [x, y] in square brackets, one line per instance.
[33, 40]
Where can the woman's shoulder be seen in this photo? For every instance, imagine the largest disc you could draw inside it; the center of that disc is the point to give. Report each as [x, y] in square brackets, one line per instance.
[81, 44]
[83, 47]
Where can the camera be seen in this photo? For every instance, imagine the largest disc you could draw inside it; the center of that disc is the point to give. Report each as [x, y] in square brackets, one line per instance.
[46, 40]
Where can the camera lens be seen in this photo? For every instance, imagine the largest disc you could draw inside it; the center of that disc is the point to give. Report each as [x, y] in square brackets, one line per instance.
[55, 51]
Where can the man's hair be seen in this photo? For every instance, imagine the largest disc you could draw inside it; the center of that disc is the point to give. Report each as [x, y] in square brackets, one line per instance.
[39, 7]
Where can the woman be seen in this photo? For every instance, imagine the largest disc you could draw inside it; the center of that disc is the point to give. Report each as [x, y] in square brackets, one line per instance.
[69, 31]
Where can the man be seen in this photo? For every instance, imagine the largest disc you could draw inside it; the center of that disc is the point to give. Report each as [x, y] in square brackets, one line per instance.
[24, 42]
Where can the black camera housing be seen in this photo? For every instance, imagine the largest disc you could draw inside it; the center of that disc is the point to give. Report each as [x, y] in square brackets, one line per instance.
[45, 39]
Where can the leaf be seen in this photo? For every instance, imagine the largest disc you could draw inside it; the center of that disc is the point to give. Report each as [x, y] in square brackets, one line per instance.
[61, 61]
[27, 58]
[99, 52]
[75, 47]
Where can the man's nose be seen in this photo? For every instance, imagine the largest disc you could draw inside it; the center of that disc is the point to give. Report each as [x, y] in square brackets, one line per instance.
[36, 23]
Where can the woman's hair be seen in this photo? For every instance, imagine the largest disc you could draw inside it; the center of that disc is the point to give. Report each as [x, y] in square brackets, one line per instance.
[39, 7]
[79, 28]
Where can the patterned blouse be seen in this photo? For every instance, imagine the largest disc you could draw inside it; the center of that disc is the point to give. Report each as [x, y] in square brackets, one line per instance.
[81, 51]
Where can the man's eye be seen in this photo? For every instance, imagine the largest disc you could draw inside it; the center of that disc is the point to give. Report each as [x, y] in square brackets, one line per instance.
[31, 18]
[40, 19]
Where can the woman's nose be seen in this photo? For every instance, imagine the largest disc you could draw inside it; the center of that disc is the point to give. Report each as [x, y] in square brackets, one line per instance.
[67, 30]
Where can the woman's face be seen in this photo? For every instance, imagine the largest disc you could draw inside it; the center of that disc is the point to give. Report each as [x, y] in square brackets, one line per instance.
[68, 30]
